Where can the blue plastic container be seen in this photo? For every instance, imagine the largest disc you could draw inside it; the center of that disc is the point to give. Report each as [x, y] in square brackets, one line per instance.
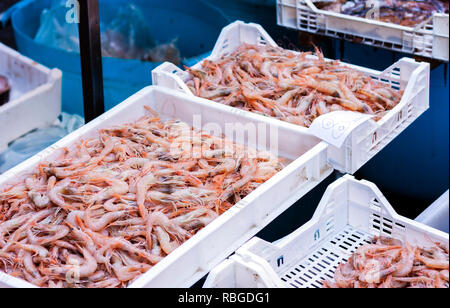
[195, 23]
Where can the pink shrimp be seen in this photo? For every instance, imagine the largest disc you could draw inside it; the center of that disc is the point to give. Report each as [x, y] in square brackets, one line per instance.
[56, 193]
[142, 187]
[102, 222]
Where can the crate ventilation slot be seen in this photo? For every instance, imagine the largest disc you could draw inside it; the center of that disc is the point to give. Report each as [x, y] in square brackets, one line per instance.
[262, 41]
[382, 225]
[322, 263]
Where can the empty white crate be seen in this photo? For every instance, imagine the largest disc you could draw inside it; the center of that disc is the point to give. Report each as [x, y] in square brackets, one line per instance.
[363, 143]
[429, 39]
[349, 215]
[35, 99]
[195, 258]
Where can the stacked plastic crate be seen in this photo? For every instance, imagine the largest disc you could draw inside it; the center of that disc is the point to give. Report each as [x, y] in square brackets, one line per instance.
[312, 160]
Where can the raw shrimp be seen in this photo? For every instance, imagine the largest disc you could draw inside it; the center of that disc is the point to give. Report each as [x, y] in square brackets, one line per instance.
[389, 263]
[166, 244]
[433, 262]
[196, 219]
[345, 275]
[102, 222]
[79, 269]
[37, 249]
[109, 209]
[10, 225]
[142, 187]
[159, 220]
[406, 263]
[117, 187]
[56, 194]
[58, 233]
[292, 87]
[127, 273]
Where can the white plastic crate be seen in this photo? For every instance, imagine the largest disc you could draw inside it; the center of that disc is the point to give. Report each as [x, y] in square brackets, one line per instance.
[429, 39]
[195, 258]
[349, 215]
[35, 99]
[437, 214]
[368, 139]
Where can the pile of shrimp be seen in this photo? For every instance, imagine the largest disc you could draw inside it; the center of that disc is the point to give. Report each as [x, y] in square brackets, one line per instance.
[390, 263]
[293, 87]
[401, 12]
[108, 209]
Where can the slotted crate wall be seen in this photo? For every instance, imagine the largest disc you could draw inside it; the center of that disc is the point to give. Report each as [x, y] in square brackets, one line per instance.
[367, 140]
[322, 263]
[430, 39]
[349, 215]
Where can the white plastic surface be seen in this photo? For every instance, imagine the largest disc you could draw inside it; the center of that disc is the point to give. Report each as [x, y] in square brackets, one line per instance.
[437, 214]
[349, 215]
[364, 142]
[195, 258]
[429, 39]
[35, 99]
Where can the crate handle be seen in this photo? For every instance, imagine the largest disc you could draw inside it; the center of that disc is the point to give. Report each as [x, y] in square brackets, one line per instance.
[237, 30]
[168, 75]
